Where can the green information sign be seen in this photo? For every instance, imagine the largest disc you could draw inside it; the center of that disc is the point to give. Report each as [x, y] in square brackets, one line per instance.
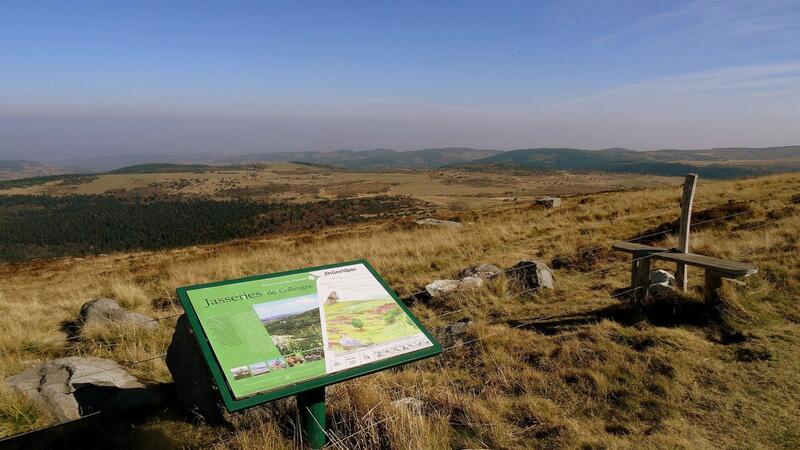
[270, 336]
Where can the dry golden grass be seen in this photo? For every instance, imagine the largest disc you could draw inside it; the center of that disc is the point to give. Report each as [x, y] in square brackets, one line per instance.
[562, 369]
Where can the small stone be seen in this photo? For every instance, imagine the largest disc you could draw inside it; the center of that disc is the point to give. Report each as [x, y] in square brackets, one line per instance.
[662, 277]
[662, 285]
[531, 275]
[438, 223]
[470, 283]
[413, 405]
[549, 202]
[484, 271]
[454, 334]
[443, 288]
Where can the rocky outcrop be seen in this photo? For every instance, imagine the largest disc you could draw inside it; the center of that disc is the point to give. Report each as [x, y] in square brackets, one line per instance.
[104, 311]
[549, 202]
[531, 275]
[68, 388]
[438, 223]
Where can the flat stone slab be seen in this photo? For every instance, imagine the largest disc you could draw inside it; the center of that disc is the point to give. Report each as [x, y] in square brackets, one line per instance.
[63, 386]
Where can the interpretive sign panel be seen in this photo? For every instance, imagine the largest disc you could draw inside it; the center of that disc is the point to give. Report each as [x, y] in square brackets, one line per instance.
[270, 336]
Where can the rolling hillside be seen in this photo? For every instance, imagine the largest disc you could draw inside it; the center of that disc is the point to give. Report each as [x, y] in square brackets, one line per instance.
[574, 367]
[374, 159]
[711, 163]
[12, 170]
[714, 163]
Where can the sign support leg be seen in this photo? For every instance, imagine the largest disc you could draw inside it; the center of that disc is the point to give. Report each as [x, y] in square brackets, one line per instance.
[311, 406]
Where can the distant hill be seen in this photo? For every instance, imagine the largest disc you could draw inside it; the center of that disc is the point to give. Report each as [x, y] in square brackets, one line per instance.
[346, 159]
[162, 168]
[712, 163]
[11, 170]
[376, 159]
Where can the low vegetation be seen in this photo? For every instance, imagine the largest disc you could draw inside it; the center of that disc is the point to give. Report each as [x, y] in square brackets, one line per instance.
[573, 367]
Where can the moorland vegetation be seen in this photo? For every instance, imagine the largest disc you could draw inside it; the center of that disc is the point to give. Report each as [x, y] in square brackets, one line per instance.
[573, 367]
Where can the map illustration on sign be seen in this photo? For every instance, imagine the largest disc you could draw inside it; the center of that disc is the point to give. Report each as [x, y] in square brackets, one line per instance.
[276, 331]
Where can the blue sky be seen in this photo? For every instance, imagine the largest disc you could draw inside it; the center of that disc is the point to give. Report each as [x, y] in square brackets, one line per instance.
[82, 78]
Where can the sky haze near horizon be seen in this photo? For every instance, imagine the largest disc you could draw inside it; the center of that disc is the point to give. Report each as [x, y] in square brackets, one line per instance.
[103, 78]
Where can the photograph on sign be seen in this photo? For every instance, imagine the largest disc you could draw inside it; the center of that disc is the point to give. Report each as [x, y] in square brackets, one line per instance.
[272, 332]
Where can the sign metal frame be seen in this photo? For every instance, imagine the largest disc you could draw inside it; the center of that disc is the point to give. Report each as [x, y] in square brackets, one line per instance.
[232, 404]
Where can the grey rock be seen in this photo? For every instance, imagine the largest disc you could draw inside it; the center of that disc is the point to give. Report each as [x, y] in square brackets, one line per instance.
[438, 223]
[108, 311]
[444, 288]
[662, 277]
[549, 202]
[468, 283]
[454, 334]
[484, 271]
[531, 275]
[71, 387]
[662, 285]
[411, 404]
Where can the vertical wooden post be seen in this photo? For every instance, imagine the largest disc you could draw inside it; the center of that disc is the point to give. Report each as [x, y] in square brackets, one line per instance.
[689, 184]
[642, 277]
[713, 282]
[635, 269]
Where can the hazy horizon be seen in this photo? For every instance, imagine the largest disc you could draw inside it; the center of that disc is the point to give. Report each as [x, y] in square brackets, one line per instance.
[97, 79]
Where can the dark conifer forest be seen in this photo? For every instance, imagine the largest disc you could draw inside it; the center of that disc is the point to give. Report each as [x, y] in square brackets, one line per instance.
[34, 227]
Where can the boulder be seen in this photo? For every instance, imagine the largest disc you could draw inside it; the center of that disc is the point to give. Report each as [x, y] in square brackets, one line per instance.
[197, 392]
[531, 275]
[549, 202]
[411, 404]
[438, 223]
[443, 288]
[71, 387]
[483, 271]
[105, 310]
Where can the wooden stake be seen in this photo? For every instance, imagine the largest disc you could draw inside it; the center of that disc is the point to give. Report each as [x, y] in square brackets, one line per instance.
[689, 184]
